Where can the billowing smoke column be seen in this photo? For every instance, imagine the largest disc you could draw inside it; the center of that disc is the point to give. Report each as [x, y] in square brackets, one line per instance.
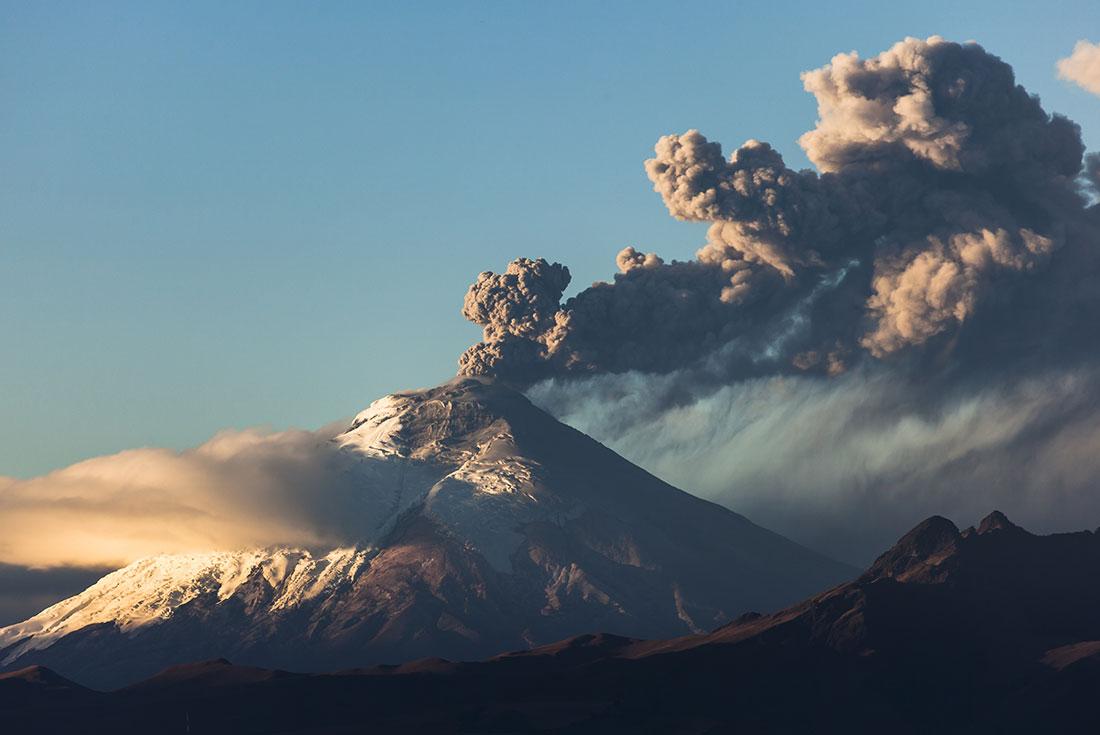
[908, 330]
[948, 214]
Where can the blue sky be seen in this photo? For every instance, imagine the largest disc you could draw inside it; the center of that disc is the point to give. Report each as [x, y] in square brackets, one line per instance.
[223, 215]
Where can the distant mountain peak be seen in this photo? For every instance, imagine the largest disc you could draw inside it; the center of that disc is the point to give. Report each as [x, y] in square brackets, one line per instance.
[34, 681]
[34, 674]
[928, 543]
[997, 521]
[218, 672]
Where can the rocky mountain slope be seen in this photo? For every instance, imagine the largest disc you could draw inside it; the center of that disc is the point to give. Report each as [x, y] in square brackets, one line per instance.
[492, 527]
[987, 630]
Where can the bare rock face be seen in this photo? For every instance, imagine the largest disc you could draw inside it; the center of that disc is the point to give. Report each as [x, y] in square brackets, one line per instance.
[492, 527]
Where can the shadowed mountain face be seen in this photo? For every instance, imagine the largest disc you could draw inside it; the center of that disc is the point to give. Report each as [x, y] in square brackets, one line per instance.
[491, 527]
[986, 630]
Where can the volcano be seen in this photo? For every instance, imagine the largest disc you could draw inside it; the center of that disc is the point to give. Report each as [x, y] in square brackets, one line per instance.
[490, 526]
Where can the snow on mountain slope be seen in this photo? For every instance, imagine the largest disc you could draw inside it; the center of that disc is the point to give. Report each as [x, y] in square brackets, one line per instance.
[490, 488]
[487, 525]
[150, 590]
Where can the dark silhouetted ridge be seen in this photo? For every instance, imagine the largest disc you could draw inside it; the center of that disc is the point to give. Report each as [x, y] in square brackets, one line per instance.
[929, 542]
[996, 521]
[217, 672]
[38, 676]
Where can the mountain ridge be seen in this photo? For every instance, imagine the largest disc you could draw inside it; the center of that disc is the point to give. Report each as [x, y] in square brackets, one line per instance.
[960, 641]
[490, 526]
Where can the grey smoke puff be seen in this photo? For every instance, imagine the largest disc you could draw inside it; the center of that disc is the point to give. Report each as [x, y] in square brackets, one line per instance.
[945, 192]
[629, 258]
[517, 309]
[763, 211]
[648, 318]
[521, 301]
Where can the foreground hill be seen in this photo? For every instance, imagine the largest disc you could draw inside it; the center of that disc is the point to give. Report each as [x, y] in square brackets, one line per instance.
[989, 630]
[492, 527]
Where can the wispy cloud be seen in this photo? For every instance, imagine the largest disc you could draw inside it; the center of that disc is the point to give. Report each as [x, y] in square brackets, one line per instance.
[847, 464]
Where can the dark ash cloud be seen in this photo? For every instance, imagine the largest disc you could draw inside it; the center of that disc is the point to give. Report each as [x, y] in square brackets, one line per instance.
[944, 191]
[908, 329]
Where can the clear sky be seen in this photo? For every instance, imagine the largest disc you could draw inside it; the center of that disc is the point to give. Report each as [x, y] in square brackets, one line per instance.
[231, 214]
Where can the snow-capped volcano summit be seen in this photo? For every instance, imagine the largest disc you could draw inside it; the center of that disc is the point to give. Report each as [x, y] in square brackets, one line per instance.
[488, 525]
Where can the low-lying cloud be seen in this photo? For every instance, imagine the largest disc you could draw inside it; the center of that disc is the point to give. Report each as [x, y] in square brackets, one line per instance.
[240, 489]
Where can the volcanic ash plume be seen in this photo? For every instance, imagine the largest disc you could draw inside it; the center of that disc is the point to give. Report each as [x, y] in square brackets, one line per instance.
[945, 198]
[909, 329]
